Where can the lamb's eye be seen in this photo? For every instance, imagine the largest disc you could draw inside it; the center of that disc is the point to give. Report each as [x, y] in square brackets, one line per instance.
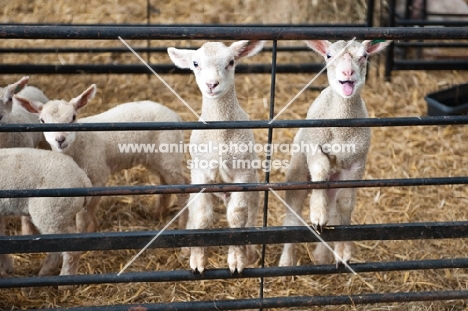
[41, 120]
[231, 63]
[195, 64]
[328, 55]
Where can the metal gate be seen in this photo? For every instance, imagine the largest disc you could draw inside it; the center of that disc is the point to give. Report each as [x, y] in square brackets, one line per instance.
[260, 235]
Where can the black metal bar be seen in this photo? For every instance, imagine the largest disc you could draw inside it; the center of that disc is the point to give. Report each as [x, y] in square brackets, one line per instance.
[268, 157]
[430, 65]
[421, 22]
[260, 124]
[142, 69]
[200, 25]
[230, 236]
[152, 49]
[230, 187]
[215, 274]
[433, 44]
[281, 302]
[370, 13]
[464, 15]
[390, 53]
[227, 33]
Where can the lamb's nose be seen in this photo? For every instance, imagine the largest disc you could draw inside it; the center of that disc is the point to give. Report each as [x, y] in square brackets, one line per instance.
[60, 140]
[348, 73]
[211, 86]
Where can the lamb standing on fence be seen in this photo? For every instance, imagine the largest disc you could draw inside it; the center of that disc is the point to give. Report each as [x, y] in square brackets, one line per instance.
[28, 168]
[98, 153]
[12, 113]
[347, 63]
[213, 65]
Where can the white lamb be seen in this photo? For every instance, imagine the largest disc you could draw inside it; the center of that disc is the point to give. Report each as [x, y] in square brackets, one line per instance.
[28, 168]
[213, 65]
[347, 63]
[12, 113]
[98, 153]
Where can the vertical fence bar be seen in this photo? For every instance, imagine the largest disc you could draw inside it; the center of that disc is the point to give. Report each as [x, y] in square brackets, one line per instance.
[370, 13]
[390, 51]
[268, 155]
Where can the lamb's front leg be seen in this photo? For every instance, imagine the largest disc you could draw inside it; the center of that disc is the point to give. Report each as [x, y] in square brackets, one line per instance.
[297, 172]
[237, 215]
[200, 217]
[241, 211]
[345, 202]
[6, 264]
[86, 220]
[27, 227]
[319, 168]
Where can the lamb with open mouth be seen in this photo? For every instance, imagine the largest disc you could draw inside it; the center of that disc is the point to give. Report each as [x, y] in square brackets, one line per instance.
[348, 87]
[346, 71]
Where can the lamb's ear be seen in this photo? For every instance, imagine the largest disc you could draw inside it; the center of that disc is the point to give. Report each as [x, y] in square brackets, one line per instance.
[16, 87]
[181, 58]
[319, 46]
[29, 105]
[82, 100]
[246, 48]
[375, 46]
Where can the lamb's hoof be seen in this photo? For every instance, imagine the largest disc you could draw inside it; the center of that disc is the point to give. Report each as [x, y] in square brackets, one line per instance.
[235, 272]
[318, 228]
[197, 260]
[237, 259]
[197, 271]
[341, 265]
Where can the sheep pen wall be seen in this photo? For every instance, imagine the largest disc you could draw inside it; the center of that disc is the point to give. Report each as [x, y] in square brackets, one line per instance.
[396, 152]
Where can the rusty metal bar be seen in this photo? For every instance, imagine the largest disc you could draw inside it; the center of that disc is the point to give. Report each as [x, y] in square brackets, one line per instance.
[60, 32]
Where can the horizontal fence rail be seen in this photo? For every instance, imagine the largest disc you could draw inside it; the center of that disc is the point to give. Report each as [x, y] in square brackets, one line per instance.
[237, 236]
[57, 32]
[216, 274]
[142, 69]
[260, 124]
[282, 302]
[231, 187]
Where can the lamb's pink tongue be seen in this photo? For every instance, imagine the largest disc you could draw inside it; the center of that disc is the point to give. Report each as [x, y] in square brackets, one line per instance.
[348, 88]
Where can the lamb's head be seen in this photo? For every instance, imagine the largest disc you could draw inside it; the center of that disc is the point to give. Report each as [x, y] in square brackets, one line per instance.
[6, 97]
[214, 63]
[58, 112]
[347, 62]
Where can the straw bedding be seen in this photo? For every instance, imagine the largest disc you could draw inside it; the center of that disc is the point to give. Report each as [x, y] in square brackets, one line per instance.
[395, 153]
